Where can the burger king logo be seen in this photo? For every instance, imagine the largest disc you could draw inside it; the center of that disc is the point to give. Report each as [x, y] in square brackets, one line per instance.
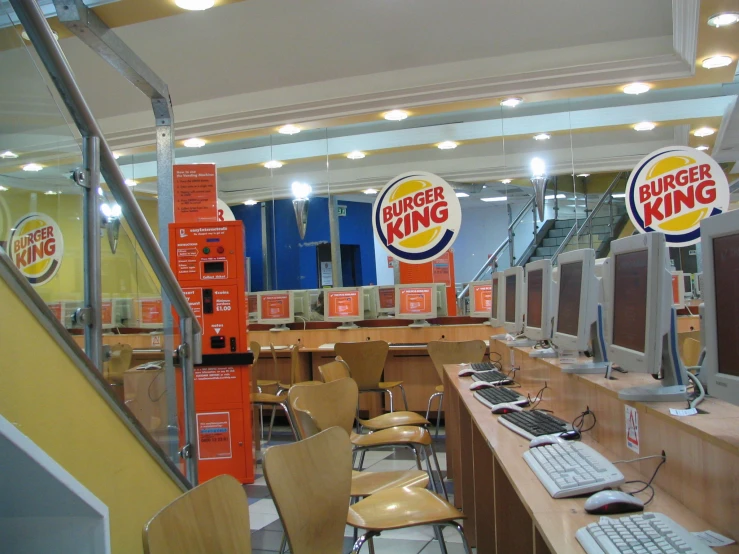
[417, 217]
[36, 247]
[672, 190]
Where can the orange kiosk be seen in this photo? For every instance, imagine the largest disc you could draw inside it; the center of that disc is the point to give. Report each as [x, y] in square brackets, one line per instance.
[208, 260]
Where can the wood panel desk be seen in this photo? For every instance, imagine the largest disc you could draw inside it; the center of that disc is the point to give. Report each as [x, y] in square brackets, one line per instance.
[509, 509]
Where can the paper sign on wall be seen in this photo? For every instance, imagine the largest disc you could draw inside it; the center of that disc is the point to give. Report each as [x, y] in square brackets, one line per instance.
[632, 429]
[327, 277]
[195, 193]
[214, 436]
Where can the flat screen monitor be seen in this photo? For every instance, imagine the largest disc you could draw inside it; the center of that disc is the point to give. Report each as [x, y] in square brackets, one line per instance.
[149, 313]
[385, 299]
[416, 302]
[441, 304]
[513, 300]
[576, 296]
[538, 300]
[678, 290]
[275, 308]
[497, 285]
[481, 299]
[344, 305]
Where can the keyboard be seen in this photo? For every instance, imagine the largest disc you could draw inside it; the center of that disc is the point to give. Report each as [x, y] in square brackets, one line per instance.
[484, 366]
[645, 533]
[572, 468]
[408, 344]
[492, 376]
[499, 395]
[533, 423]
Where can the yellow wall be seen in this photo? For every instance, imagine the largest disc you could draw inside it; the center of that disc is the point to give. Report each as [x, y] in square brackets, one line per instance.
[51, 402]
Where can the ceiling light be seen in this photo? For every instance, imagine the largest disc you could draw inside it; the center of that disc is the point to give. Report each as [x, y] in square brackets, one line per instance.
[116, 155]
[495, 199]
[356, 155]
[370, 191]
[619, 195]
[447, 145]
[644, 126]
[51, 193]
[131, 183]
[3, 189]
[25, 36]
[195, 5]
[704, 132]
[505, 181]
[538, 167]
[33, 167]
[511, 102]
[462, 195]
[701, 147]
[194, 143]
[723, 19]
[301, 190]
[289, 130]
[273, 164]
[250, 203]
[8, 155]
[552, 197]
[583, 174]
[395, 115]
[636, 88]
[542, 136]
[716, 61]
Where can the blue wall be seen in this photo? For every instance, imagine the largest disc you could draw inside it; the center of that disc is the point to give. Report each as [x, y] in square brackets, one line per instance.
[252, 218]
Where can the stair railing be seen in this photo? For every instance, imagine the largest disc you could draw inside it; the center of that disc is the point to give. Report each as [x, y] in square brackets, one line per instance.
[606, 197]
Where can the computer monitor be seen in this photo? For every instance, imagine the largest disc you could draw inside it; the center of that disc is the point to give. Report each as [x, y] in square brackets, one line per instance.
[720, 288]
[149, 314]
[345, 305]
[416, 302]
[441, 304]
[678, 289]
[123, 312]
[301, 303]
[69, 307]
[106, 314]
[497, 286]
[385, 300]
[251, 306]
[513, 300]
[370, 302]
[275, 308]
[642, 331]
[538, 300]
[481, 299]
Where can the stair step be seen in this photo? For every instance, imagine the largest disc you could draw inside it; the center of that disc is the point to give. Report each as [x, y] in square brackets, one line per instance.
[551, 241]
[546, 251]
[563, 224]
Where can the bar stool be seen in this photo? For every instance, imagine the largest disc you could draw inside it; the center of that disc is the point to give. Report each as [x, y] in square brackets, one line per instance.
[449, 352]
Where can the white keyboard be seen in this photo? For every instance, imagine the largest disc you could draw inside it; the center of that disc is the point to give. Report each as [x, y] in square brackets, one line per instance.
[571, 469]
[648, 533]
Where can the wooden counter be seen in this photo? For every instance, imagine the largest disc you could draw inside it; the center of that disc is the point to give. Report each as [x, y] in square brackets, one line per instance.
[698, 486]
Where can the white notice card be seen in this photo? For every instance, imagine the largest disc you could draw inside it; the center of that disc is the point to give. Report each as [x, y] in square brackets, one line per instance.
[632, 428]
[711, 538]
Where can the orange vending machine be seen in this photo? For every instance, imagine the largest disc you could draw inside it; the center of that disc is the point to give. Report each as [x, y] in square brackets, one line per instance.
[208, 260]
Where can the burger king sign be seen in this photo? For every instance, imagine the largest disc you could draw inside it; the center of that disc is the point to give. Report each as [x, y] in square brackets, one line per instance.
[36, 247]
[417, 217]
[672, 190]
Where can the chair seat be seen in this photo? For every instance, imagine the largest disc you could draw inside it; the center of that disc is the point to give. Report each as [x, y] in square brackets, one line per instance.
[263, 383]
[440, 388]
[284, 386]
[367, 483]
[399, 508]
[389, 384]
[397, 435]
[263, 398]
[393, 419]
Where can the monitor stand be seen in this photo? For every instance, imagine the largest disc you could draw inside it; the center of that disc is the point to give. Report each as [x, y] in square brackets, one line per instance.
[282, 327]
[498, 337]
[522, 342]
[673, 384]
[597, 340]
[348, 325]
[420, 323]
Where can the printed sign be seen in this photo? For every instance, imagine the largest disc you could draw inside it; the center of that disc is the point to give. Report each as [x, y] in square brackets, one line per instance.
[389, 262]
[327, 276]
[672, 190]
[416, 217]
[441, 270]
[150, 311]
[483, 295]
[56, 309]
[676, 290]
[343, 303]
[36, 246]
[632, 428]
[195, 193]
[106, 311]
[387, 297]
[275, 306]
[214, 436]
[224, 211]
[251, 303]
[416, 300]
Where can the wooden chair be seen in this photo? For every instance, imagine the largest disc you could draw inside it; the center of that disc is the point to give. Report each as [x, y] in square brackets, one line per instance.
[256, 349]
[310, 483]
[691, 352]
[212, 517]
[116, 366]
[366, 362]
[449, 352]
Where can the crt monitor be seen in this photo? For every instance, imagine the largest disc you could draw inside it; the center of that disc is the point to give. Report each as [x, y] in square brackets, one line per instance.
[720, 290]
[416, 302]
[678, 289]
[688, 286]
[251, 306]
[106, 314]
[538, 300]
[344, 305]
[370, 302]
[149, 313]
[301, 303]
[496, 307]
[441, 306]
[642, 330]
[481, 299]
[123, 312]
[513, 300]
[275, 308]
[385, 299]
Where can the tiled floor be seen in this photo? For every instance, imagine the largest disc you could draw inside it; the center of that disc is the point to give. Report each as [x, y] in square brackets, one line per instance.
[267, 529]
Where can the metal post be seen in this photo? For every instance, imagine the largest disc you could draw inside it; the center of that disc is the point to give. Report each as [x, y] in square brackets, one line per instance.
[536, 221]
[610, 217]
[511, 234]
[333, 225]
[186, 353]
[556, 200]
[266, 268]
[91, 238]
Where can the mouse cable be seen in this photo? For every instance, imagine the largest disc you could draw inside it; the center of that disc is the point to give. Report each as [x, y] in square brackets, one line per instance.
[701, 391]
[648, 485]
[534, 402]
[579, 422]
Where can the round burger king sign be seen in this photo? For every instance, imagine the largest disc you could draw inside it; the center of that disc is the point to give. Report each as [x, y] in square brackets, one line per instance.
[672, 190]
[36, 247]
[417, 217]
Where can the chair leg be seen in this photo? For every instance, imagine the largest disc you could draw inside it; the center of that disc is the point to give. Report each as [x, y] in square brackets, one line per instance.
[418, 457]
[364, 538]
[371, 545]
[431, 399]
[438, 415]
[271, 423]
[432, 480]
[390, 393]
[290, 422]
[405, 400]
[361, 460]
[439, 532]
[283, 544]
[459, 529]
[438, 471]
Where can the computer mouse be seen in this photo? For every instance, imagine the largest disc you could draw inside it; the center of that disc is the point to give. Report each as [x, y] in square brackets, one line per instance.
[613, 502]
[481, 385]
[466, 372]
[507, 409]
[545, 440]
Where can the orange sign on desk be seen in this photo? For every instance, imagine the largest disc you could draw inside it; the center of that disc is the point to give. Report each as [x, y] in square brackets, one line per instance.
[483, 297]
[195, 193]
[343, 303]
[275, 306]
[416, 300]
[387, 297]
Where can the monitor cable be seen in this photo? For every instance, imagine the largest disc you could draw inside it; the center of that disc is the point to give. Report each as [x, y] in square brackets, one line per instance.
[647, 485]
[697, 386]
[534, 402]
[578, 424]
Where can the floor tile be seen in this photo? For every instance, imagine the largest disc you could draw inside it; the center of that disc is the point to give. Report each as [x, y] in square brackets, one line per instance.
[451, 548]
[374, 456]
[256, 492]
[266, 540]
[395, 546]
[258, 521]
[264, 506]
[393, 465]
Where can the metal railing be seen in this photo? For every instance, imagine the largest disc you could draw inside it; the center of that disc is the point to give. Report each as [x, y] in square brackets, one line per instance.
[97, 154]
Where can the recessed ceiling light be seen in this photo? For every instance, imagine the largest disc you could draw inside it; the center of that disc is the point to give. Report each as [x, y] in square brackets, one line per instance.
[462, 195]
[131, 183]
[447, 145]
[33, 167]
[25, 36]
[495, 199]
[356, 155]
[619, 195]
[701, 147]
[395, 115]
[583, 174]
[716, 61]
[250, 203]
[552, 197]
[289, 130]
[116, 155]
[511, 102]
[723, 19]
[194, 143]
[636, 88]
[370, 191]
[542, 136]
[7, 155]
[704, 132]
[3, 189]
[273, 164]
[195, 5]
[51, 193]
[505, 181]
[644, 126]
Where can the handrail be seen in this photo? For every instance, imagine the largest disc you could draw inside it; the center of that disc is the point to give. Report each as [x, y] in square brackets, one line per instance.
[522, 213]
[565, 242]
[35, 24]
[600, 203]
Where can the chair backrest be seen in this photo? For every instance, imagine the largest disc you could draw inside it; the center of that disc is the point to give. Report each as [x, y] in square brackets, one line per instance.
[691, 352]
[120, 360]
[256, 349]
[366, 361]
[333, 371]
[294, 363]
[212, 517]
[310, 483]
[331, 404]
[451, 352]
